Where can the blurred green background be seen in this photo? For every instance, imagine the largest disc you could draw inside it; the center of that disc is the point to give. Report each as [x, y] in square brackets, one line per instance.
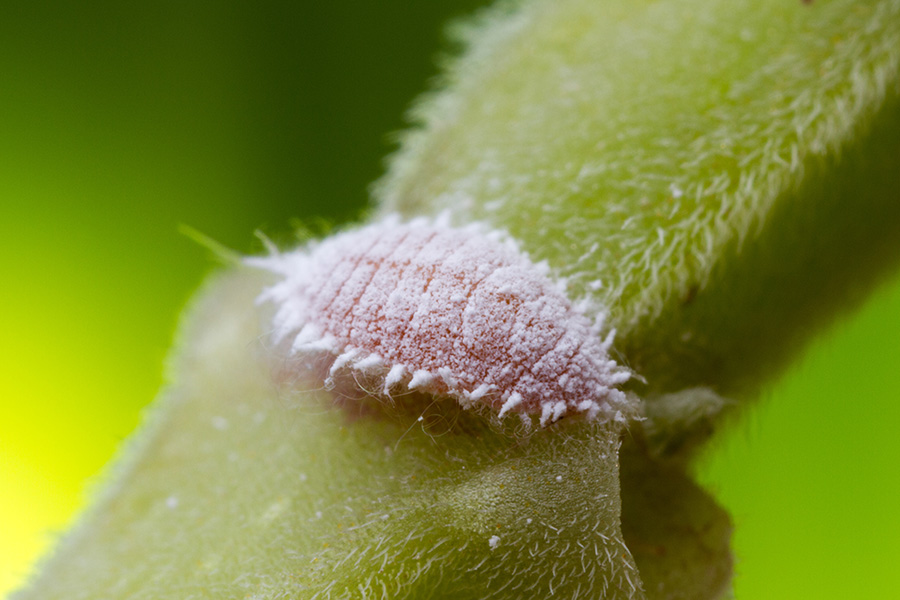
[118, 122]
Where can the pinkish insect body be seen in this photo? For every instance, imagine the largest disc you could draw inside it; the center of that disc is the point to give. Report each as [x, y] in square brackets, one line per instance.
[459, 312]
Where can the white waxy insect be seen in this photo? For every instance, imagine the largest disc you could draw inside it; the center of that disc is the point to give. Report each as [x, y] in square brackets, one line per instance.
[459, 312]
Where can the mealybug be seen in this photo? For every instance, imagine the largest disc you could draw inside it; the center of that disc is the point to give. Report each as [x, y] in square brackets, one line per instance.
[459, 312]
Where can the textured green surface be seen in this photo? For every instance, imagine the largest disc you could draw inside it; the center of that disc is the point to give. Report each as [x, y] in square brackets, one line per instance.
[120, 121]
[679, 536]
[705, 171]
[772, 124]
[241, 487]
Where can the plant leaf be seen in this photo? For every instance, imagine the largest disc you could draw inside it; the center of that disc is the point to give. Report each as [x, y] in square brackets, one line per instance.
[718, 175]
[243, 487]
[679, 536]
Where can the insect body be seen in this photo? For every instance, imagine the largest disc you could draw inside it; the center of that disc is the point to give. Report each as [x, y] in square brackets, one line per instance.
[460, 312]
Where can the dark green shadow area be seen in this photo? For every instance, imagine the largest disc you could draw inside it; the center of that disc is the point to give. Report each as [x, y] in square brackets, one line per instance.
[118, 123]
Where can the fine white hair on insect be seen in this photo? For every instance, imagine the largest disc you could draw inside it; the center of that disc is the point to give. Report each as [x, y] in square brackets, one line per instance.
[454, 311]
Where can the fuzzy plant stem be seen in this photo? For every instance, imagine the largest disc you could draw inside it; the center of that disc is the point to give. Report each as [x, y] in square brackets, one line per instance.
[713, 180]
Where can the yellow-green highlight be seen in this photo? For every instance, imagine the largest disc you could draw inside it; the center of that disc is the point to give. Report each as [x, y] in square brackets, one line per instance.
[119, 123]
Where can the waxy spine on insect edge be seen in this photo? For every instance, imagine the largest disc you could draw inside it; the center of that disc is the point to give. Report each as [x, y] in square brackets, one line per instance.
[451, 311]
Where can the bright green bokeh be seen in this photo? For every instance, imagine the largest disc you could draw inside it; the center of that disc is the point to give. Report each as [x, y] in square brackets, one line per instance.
[811, 477]
[119, 122]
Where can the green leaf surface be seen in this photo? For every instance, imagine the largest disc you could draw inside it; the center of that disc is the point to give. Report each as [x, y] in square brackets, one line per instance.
[718, 175]
[679, 536]
[246, 485]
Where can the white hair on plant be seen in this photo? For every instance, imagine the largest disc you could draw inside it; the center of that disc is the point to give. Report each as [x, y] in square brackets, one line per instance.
[452, 311]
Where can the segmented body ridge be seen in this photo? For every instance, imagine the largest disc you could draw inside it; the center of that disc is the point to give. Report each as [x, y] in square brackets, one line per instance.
[461, 312]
